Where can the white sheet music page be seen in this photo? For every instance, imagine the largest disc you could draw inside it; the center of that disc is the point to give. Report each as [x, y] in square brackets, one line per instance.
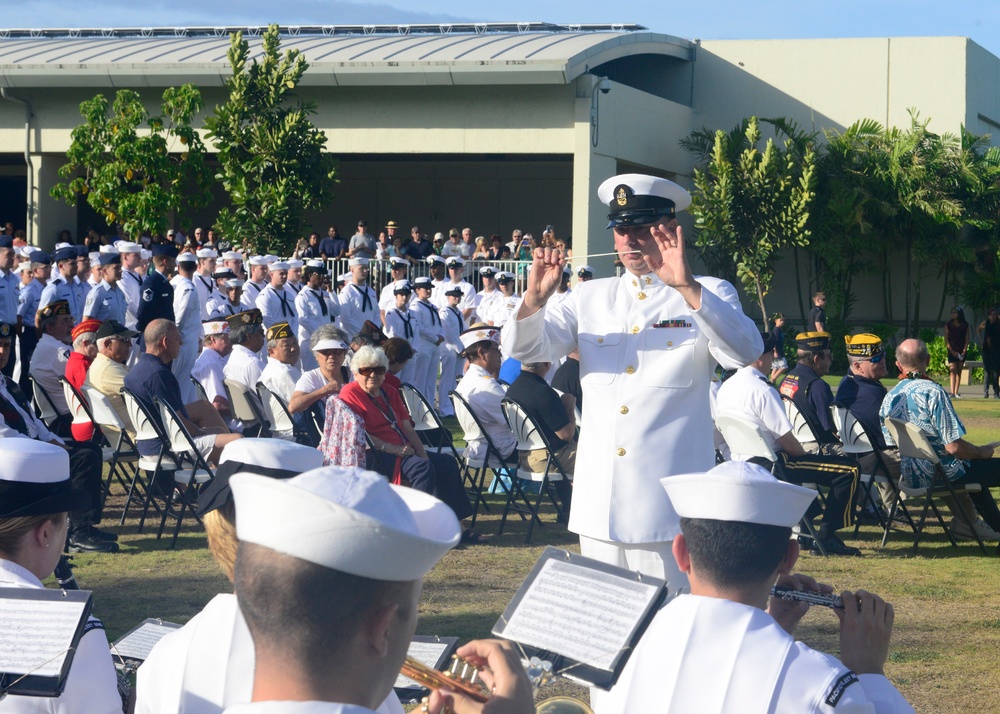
[138, 643]
[37, 635]
[577, 612]
[425, 652]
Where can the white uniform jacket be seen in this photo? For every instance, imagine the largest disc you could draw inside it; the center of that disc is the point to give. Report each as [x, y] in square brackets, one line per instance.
[400, 323]
[91, 687]
[713, 656]
[278, 305]
[652, 386]
[748, 394]
[453, 325]
[131, 284]
[205, 287]
[250, 292]
[187, 315]
[314, 308]
[357, 304]
[206, 666]
[426, 325]
[484, 302]
[208, 370]
[501, 310]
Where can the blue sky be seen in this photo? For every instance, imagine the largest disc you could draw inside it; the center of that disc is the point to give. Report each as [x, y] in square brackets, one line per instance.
[704, 19]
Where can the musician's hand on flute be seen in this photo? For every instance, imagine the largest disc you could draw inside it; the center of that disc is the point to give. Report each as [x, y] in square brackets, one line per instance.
[501, 671]
[787, 613]
[543, 279]
[865, 631]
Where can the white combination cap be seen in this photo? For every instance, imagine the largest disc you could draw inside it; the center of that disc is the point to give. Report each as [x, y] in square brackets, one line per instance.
[585, 270]
[640, 200]
[738, 491]
[346, 519]
[434, 258]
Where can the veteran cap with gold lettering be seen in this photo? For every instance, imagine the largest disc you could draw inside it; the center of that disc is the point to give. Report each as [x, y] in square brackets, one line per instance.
[279, 331]
[863, 345]
[641, 200]
[479, 333]
[812, 341]
[247, 317]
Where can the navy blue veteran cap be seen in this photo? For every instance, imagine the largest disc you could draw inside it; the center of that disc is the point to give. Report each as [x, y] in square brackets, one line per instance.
[641, 200]
[54, 309]
[40, 256]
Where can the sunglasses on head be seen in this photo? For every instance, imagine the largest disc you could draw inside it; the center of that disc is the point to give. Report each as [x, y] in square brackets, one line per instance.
[369, 371]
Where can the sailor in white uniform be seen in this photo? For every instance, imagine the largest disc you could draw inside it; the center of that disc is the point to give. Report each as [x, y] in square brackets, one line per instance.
[456, 270]
[314, 307]
[648, 343]
[231, 290]
[397, 268]
[727, 648]
[489, 293]
[294, 282]
[399, 323]
[187, 315]
[131, 282]
[429, 336]
[257, 265]
[209, 367]
[247, 337]
[358, 301]
[204, 280]
[452, 365]
[276, 304]
[500, 310]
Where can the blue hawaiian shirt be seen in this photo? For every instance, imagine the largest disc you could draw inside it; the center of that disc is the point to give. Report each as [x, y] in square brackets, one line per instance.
[926, 404]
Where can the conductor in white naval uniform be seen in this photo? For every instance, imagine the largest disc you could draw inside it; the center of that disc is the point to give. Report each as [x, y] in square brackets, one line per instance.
[648, 343]
[727, 648]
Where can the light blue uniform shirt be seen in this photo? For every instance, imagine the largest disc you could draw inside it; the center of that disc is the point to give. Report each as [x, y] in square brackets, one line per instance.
[105, 302]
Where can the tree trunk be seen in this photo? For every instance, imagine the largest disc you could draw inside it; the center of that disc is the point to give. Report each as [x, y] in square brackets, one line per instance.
[760, 301]
[909, 271]
[798, 284]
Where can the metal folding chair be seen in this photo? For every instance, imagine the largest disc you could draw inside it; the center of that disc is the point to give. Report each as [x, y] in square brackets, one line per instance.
[279, 419]
[46, 408]
[246, 408]
[913, 443]
[427, 423]
[530, 438]
[186, 480]
[200, 389]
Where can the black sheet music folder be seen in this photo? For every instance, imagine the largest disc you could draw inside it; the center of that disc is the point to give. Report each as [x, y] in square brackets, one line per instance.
[433, 651]
[62, 614]
[572, 619]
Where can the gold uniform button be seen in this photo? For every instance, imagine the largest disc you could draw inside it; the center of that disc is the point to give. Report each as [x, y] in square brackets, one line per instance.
[670, 344]
[621, 452]
[641, 296]
[624, 410]
[600, 340]
[630, 370]
[649, 281]
[635, 330]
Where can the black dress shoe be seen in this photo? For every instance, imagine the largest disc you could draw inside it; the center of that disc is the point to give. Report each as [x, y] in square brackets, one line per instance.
[103, 535]
[87, 542]
[834, 546]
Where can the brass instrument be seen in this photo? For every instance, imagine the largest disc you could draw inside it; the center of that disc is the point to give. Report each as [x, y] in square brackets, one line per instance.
[463, 677]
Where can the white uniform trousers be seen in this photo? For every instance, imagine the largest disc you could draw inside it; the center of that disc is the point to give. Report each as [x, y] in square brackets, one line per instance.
[409, 371]
[449, 359]
[181, 367]
[431, 363]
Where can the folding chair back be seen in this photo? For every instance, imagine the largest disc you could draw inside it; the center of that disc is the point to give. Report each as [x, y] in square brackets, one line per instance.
[243, 403]
[47, 411]
[744, 437]
[801, 429]
[100, 408]
[852, 432]
[911, 441]
[275, 410]
[424, 416]
[143, 422]
[529, 436]
[493, 459]
[467, 419]
[179, 439]
[186, 480]
[77, 403]
[199, 388]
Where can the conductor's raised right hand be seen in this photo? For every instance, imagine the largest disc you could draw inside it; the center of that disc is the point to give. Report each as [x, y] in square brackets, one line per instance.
[543, 280]
[865, 631]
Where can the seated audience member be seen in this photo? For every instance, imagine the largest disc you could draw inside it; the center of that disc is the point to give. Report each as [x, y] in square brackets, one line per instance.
[480, 388]
[209, 368]
[83, 354]
[748, 394]
[555, 415]
[18, 421]
[36, 492]
[151, 378]
[48, 361]
[728, 646]
[107, 372]
[919, 400]
[397, 451]
[328, 577]
[804, 385]
[567, 378]
[399, 352]
[329, 347]
[208, 664]
[281, 373]
[246, 333]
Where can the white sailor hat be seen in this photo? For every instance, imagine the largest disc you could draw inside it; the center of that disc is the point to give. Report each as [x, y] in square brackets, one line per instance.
[232, 255]
[585, 270]
[25, 250]
[216, 326]
[294, 263]
[92, 257]
[344, 277]
[21, 267]
[234, 283]
[423, 282]
[257, 260]
[435, 258]
[278, 265]
[453, 261]
[187, 257]
[108, 249]
[206, 253]
[316, 263]
[125, 246]
[738, 491]
[479, 333]
[396, 263]
[265, 457]
[35, 480]
[271, 258]
[358, 261]
[145, 254]
[402, 287]
[641, 200]
[346, 519]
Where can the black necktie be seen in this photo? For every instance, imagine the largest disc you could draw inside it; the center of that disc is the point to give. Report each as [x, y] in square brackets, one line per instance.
[285, 310]
[322, 302]
[458, 318]
[10, 413]
[366, 303]
[205, 281]
[407, 330]
[435, 318]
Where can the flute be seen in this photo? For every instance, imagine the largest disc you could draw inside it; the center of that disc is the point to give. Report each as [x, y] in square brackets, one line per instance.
[433, 679]
[813, 598]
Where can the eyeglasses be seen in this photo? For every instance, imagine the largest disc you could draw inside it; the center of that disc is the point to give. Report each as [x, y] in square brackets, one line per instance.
[877, 358]
[369, 371]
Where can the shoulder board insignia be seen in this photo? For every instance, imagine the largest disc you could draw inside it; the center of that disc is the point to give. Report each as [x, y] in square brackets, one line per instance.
[837, 691]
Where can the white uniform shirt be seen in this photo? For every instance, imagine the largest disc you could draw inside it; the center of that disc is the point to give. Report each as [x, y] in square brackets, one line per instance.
[714, 656]
[244, 367]
[91, 686]
[131, 284]
[357, 304]
[426, 325]
[205, 285]
[209, 371]
[48, 364]
[187, 312]
[35, 426]
[277, 305]
[280, 378]
[502, 309]
[314, 308]
[484, 393]
[484, 303]
[468, 301]
[749, 394]
[399, 323]
[652, 383]
[453, 325]
[219, 304]
[206, 666]
[250, 292]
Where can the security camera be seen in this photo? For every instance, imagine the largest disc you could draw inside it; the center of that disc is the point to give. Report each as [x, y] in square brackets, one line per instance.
[604, 85]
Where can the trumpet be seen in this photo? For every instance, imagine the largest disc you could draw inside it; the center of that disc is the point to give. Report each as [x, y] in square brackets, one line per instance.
[463, 677]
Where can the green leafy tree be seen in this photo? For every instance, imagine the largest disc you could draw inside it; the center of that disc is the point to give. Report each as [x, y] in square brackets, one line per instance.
[272, 159]
[137, 170]
[750, 203]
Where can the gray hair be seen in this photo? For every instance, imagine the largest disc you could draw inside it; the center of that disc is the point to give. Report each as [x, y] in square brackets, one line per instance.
[102, 344]
[327, 332]
[240, 334]
[369, 356]
[85, 337]
[537, 367]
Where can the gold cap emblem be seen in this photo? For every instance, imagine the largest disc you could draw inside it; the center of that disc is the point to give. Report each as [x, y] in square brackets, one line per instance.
[621, 196]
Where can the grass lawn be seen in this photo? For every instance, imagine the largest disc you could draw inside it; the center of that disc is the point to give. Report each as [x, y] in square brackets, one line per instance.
[946, 636]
